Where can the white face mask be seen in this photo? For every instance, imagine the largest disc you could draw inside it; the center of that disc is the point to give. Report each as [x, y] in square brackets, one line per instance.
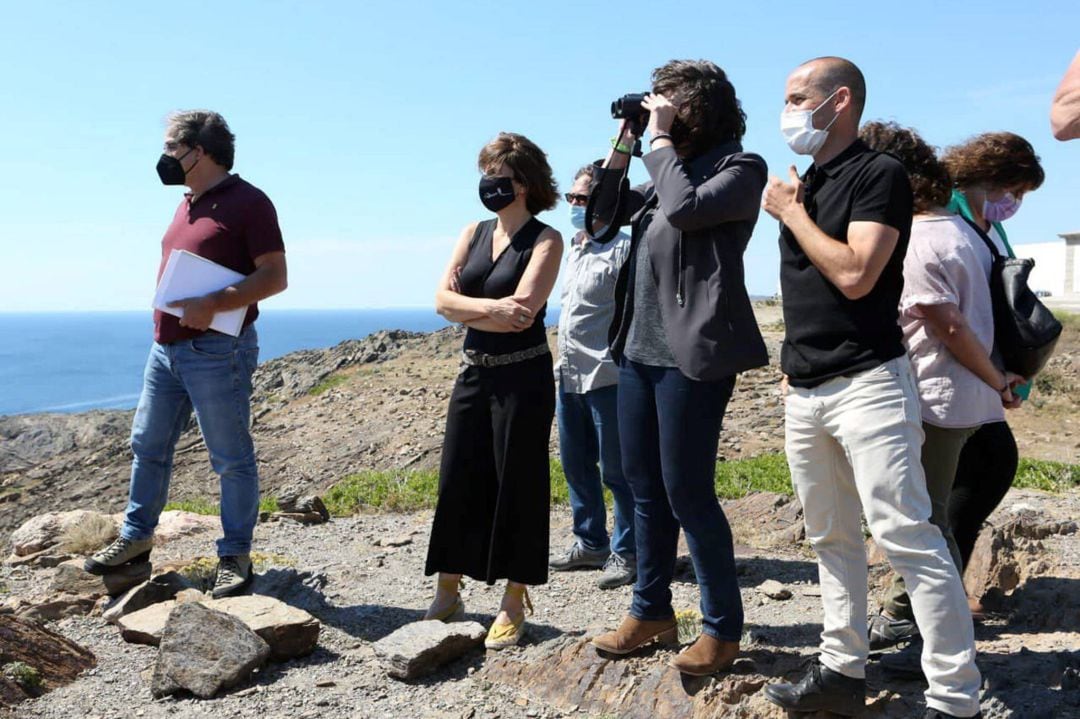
[799, 132]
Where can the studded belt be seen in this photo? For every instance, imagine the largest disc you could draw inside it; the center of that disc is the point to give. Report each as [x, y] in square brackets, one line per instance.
[473, 358]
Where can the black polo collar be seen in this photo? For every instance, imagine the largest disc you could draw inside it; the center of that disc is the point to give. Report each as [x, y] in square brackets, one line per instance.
[833, 167]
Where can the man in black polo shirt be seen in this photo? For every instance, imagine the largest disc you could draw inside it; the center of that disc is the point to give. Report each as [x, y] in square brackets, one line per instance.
[853, 427]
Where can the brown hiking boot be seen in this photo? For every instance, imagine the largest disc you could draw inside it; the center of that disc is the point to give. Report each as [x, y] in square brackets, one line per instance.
[635, 633]
[708, 655]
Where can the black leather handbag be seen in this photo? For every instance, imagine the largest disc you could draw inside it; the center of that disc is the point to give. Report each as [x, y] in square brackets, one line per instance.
[1025, 331]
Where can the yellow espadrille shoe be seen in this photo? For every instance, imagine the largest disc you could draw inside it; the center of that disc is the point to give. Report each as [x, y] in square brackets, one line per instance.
[501, 636]
[456, 610]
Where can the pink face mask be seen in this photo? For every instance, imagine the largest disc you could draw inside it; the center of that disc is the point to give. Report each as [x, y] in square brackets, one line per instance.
[1002, 209]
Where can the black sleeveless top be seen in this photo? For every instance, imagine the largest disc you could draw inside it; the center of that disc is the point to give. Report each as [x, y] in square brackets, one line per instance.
[480, 277]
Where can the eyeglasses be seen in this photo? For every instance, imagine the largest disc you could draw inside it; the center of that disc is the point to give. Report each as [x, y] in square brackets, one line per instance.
[576, 199]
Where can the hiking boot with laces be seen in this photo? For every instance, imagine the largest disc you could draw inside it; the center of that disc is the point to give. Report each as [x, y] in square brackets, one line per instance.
[121, 552]
[579, 557]
[234, 575]
[618, 571]
[885, 632]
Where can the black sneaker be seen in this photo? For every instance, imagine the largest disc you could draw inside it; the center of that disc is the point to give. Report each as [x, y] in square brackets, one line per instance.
[618, 571]
[886, 632]
[233, 576]
[938, 714]
[821, 689]
[906, 663]
[578, 557]
[118, 554]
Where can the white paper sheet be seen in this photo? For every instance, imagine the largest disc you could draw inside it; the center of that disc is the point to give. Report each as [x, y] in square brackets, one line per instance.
[188, 275]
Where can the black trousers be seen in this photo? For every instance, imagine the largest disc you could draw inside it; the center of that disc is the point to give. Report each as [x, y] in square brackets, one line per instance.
[491, 520]
[987, 467]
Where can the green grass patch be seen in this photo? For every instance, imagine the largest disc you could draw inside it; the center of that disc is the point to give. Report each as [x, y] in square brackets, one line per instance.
[1070, 320]
[211, 507]
[23, 674]
[393, 491]
[328, 382]
[764, 473]
[412, 490]
[1046, 475]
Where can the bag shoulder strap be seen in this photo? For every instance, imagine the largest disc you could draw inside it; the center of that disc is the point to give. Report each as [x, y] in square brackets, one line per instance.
[994, 251]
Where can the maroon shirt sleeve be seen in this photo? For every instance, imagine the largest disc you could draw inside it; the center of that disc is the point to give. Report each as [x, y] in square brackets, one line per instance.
[262, 233]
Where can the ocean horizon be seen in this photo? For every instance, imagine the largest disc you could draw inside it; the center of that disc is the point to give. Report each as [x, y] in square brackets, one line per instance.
[71, 362]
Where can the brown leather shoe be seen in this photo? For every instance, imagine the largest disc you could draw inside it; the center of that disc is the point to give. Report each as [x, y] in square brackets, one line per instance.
[708, 655]
[635, 633]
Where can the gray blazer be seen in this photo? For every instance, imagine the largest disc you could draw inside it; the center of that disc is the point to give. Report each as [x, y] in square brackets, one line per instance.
[699, 215]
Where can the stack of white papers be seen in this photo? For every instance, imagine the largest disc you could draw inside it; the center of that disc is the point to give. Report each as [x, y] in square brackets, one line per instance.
[187, 275]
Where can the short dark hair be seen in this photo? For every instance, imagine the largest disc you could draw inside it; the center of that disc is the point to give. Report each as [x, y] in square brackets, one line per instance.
[834, 73]
[997, 159]
[706, 99]
[529, 165]
[930, 181]
[205, 129]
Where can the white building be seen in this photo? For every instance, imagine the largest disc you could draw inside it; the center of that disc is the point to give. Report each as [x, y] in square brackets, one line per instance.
[1057, 265]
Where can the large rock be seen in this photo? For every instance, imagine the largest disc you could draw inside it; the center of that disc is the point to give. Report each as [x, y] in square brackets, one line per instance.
[422, 647]
[56, 608]
[46, 559]
[45, 530]
[177, 524]
[54, 659]
[71, 578]
[157, 589]
[568, 674]
[765, 520]
[1009, 553]
[303, 590]
[204, 651]
[289, 631]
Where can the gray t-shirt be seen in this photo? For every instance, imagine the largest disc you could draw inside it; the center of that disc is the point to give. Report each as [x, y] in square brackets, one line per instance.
[646, 340]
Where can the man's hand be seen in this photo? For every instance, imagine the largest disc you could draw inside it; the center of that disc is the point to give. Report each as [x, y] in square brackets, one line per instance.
[198, 312]
[781, 198]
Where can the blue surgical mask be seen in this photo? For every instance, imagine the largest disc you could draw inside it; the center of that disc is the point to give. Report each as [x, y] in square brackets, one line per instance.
[577, 216]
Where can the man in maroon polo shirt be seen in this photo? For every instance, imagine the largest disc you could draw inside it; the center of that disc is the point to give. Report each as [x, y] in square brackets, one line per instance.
[192, 368]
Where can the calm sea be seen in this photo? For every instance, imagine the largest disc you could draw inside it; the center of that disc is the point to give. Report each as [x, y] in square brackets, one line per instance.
[94, 360]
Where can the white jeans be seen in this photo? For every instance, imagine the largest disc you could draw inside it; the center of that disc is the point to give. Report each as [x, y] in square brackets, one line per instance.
[854, 443]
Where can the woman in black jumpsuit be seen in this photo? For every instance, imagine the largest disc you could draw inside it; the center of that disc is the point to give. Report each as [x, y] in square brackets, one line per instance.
[491, 520]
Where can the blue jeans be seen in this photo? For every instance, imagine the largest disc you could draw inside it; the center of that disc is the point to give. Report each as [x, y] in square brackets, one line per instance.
[589, 448]
[669, 427]
[212, 375]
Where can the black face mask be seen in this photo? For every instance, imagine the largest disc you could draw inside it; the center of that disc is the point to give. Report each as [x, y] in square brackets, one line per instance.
[496, 192]
[171, 171]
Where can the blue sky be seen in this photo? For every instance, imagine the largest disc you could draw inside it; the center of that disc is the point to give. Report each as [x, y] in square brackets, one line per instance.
[362, 121]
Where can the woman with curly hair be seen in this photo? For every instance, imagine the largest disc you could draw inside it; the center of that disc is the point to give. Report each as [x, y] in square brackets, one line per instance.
[991, 173]
[683, 329]
[947, 319]
[491, 519]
